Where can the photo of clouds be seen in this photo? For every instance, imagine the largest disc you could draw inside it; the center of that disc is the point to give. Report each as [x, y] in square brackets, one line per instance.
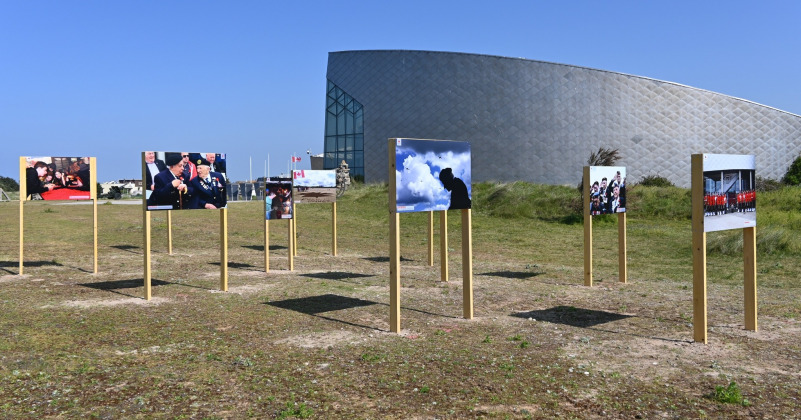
[432, 175]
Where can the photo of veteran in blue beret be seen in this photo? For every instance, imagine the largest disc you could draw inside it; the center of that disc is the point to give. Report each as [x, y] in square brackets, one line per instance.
[170, 190]
[208, 187]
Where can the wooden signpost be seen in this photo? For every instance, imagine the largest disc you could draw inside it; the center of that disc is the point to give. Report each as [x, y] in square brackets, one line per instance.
[291, 250]
[621, 236]
[394, 248]
[23, 194]
[147, 245]
[699, 230]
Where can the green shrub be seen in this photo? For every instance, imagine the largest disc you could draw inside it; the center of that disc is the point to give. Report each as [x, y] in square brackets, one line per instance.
[655, 181]
[793, 175]
[729, 395]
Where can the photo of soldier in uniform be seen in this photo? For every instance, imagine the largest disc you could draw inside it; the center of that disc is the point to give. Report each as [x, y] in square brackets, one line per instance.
[183, 181]
[432, 175]
[607, 190]
[57, 178]
[729, 192]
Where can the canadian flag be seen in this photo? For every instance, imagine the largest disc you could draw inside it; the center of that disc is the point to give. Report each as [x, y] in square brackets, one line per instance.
[295, 159]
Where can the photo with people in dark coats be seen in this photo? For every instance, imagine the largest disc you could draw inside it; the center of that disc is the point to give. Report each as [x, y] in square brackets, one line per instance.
[607, 190]
[57, 178]
[184, 181]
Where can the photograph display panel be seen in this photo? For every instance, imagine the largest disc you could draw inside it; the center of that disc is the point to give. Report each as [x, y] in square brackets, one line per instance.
[57, 178]
[184, 181]
[432, 175]
[729, 192]
[607, 190]
[278, 198]
[314, 186]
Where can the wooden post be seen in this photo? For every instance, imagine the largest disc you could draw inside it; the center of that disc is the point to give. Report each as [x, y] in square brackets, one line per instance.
[430, 238]
[266, 237]
[467, 264]
[146, 234]
[294, 222]
[750, 277]
[291, 245]
[394, 272]
[699, 250]
[169, 232]
[23, 195]
[621, 244]
[93, 193]
[443, 244]
[587, 228]
[224, 249]
[394, 245]
[334, 228]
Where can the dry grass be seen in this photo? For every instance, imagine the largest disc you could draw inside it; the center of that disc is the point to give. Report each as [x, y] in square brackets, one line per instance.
[314, 342]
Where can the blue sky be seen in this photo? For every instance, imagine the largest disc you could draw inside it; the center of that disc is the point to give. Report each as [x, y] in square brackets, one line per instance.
[110, 78]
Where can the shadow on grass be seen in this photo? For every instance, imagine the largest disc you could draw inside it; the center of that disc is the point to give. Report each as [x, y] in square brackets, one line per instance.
[575, 317]
[336, 275]
[4, 265]
[113, 285]
[127, 248]
[584, 318]
[512, 274]
[242, 266]
[261, 247]
[383, 259]
[315, 305]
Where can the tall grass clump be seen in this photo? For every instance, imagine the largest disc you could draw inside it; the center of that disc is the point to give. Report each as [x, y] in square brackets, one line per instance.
[524, 200]
[662, 202]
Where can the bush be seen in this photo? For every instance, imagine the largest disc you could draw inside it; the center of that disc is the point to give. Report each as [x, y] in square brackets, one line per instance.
[793, 175]
[8, 184]
[767, 184]
[655, 181]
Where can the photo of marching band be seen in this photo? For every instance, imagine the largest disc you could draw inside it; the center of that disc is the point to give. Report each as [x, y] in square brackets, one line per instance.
[729, 192]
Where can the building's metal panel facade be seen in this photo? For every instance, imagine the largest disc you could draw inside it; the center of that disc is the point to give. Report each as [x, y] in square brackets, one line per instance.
[537, 121]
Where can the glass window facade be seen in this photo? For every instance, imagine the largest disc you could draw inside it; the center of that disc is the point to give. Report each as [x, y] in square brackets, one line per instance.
[344, 131]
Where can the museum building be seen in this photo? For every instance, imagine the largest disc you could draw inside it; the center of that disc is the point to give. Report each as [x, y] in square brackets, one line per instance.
[537, 121]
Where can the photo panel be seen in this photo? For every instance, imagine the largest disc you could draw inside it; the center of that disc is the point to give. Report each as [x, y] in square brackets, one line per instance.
[607, 190]
[185, 181]
[278, 198]
[314, 186]
[729, 192]
[432, 175]
[57, 178]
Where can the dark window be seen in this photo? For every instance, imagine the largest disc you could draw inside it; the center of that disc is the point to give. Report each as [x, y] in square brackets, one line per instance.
[344, 131]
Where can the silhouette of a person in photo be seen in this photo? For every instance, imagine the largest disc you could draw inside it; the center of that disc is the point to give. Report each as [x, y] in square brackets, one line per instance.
[459, 197]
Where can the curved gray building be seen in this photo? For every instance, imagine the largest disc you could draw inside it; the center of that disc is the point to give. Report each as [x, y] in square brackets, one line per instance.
[537, 121]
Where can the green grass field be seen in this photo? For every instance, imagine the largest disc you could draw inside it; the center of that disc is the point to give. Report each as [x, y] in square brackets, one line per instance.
[314, 342]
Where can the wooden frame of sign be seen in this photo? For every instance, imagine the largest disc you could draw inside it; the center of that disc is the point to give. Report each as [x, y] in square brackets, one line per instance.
[621, 236]
[291, 247]
[146, 228]
[699, 260]
[333, 228]
[23, 193]
[394, 250]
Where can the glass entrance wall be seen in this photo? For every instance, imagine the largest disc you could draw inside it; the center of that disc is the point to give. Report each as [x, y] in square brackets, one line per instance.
[344, 132]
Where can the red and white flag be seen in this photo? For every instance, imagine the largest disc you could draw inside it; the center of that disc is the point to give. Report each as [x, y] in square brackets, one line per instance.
[295, 159]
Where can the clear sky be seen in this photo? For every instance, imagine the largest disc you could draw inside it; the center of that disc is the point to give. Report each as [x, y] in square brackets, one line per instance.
[112, 78]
